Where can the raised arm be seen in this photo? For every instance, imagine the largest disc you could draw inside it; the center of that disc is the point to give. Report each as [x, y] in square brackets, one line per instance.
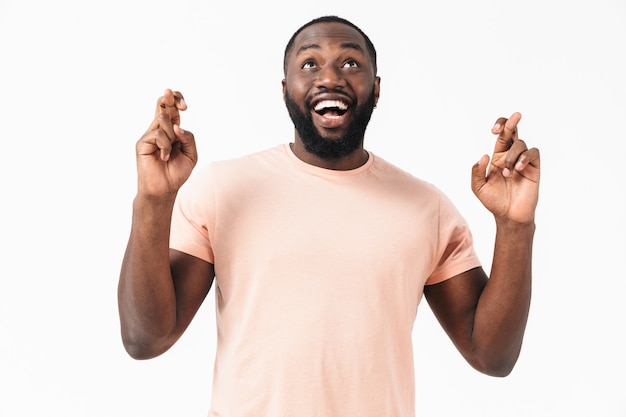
[159, 289]
[486, 318]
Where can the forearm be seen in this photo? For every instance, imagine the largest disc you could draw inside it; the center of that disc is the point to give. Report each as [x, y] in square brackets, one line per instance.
[503, 307]
[146, 296]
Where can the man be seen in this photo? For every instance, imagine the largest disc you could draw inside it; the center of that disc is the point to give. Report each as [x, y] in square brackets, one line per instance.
[321, 251]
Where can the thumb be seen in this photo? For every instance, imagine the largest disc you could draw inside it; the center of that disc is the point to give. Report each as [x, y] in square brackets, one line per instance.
[187, 142]
[184, 136]
[479, 174]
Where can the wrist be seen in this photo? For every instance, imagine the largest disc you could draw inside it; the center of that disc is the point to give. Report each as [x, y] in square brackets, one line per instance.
[504, 224]
[157, 200]
[153, 209]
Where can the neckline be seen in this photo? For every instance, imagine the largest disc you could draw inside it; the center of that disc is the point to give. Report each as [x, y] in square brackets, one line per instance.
[328, 172]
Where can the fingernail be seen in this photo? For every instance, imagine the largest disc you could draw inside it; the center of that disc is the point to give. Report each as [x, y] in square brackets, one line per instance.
[519, 166]
[506, 172]
[496, 126]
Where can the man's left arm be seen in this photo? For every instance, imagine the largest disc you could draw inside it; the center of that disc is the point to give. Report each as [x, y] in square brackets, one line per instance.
[486, 317]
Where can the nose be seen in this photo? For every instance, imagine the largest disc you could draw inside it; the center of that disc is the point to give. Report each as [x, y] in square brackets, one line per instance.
[329, 76]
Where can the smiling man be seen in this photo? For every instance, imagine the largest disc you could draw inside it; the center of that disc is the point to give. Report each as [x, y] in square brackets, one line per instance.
[321, 251]
[337, 94]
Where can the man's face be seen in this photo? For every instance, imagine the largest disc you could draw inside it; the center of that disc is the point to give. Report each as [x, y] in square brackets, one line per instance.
[330, 89]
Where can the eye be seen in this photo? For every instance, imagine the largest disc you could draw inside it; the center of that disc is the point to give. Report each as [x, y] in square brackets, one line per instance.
[351, 63]
[308, 64]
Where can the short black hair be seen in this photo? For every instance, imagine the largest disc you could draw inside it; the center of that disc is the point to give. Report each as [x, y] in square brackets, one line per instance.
[331, 19]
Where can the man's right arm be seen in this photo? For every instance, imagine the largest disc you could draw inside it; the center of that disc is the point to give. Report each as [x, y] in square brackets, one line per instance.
[160, 290]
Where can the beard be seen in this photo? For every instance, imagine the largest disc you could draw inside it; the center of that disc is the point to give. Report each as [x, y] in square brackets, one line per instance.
[331, 149]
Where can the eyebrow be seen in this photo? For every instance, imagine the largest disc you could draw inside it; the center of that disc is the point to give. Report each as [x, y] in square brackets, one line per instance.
[345, 45]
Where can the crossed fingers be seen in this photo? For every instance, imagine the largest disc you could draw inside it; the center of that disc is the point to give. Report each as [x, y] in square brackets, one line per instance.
[515, 152]
[167, 115]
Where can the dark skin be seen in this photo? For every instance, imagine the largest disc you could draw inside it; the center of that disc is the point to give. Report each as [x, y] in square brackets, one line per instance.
[160, 290]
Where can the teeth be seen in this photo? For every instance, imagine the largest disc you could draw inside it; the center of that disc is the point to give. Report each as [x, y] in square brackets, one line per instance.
[331, 103]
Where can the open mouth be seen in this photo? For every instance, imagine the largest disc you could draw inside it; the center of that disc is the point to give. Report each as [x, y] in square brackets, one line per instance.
[331, 108]
[331, 114]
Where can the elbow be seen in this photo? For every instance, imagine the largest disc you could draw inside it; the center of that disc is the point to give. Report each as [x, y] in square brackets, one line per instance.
[141, 348]
[494, 359]
[495, 367]
[140, 352]
[497, 371]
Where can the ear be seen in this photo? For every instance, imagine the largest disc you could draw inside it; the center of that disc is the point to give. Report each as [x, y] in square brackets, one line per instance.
[284, 83]
[377, 89]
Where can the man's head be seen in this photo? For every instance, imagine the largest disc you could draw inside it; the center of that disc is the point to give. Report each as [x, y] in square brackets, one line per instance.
[330, 86]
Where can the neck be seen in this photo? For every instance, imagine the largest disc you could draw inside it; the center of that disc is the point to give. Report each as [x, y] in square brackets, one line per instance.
[346, 163]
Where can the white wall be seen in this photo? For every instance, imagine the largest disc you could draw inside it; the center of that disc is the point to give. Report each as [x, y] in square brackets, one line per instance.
[78, 84]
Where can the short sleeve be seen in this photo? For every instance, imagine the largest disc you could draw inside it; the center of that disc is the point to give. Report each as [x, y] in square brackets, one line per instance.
[455, 247]
[192, 217]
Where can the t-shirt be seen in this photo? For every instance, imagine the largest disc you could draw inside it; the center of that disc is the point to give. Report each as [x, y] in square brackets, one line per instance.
[318, 277]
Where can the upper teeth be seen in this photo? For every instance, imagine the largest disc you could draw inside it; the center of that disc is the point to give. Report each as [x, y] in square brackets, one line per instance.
[331, 103]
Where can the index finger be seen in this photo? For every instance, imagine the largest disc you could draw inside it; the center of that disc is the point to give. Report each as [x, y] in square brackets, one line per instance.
[507, 132]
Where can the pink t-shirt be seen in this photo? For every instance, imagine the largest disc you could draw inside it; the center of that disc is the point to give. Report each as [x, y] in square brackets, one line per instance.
[319, 274]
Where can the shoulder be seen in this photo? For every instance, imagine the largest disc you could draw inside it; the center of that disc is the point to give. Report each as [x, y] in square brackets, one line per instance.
[245, 165]
[249, 173]
[395, 176]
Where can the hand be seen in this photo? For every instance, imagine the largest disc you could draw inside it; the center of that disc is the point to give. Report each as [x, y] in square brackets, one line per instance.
[166, 154]
[510, 190]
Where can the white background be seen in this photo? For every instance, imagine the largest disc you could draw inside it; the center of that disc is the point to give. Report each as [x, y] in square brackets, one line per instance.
[78, 83]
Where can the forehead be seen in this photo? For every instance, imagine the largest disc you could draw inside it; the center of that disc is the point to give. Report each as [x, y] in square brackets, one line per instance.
[328, 34]
[329, 30]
